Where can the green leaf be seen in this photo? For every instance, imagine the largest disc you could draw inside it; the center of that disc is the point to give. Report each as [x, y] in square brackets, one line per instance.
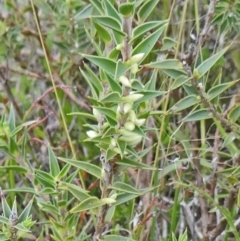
[146, 10]
[87, 204]
[107, 65]
[151, 84]
[106, 111]
[125, 197]
[103, 33]
[5, 207]
[113, 97]
[198, 115]
[136, 164]
[123, 187]
[146, 45]
[217, 90]
[185, 103]
[114, 54]
[109, 22]
[83, 114]
[47, 207]
[126, 9]
[228, 140]
[122, 146]
[165, 64]
[44, 178]
[115, 86]
[144, 28]
[13, 145]
[149, 95]
[116, 238]
[17, 169]
[112, 11]
[25, 213]
[168, 43]
[179, 81]
[76, 191]
[234, 114]
[190, 89]
[21, 228]
[121, 69]
[64, 171]
[21, 189]
[172, 167]
[174, 73]
[98, 6]
[53, 163]
[4, 220]
[87, 167]
[93, 91]
[110, 154]
[85, 13]
[204, 67]
[48, 191]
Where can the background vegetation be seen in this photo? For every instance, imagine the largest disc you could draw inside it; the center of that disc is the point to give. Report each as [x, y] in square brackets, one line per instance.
[119, 120]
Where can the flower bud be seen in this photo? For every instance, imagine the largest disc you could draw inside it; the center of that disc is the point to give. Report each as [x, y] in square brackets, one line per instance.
[132, 97]
[102, 173]
[134, 69]
[92, 134]
[129, 126]
[132, 116]
[119, 46]
[104, 126]
[96, 114]
[108, 200]
[127, 107]
[114, 196]
[113, 142]
[139, 122]
[125, 81]
[131, 140]
[135, 59]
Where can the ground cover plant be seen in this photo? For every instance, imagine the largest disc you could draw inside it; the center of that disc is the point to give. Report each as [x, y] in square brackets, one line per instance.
[119, 120]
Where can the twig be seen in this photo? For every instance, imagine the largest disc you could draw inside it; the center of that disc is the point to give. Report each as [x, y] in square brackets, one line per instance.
[58, 80]
[215, 159]
[108, 166]
[7, 88]
[204, 33]
[221, 226]
[199, 178]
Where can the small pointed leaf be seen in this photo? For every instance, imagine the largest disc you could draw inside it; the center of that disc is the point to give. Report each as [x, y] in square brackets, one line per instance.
[185, 103]
[146, 9]
[204, 67]
[53, 163]
[87, 204]
[179, 81]
[85, 13]
[198, 115]
[144, 28]
[146, 45]
[88, 167]
[123, 187]
[105, 64]
[217, 90]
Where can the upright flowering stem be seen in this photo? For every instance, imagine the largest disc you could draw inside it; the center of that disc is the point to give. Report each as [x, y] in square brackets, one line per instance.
[107, 166]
